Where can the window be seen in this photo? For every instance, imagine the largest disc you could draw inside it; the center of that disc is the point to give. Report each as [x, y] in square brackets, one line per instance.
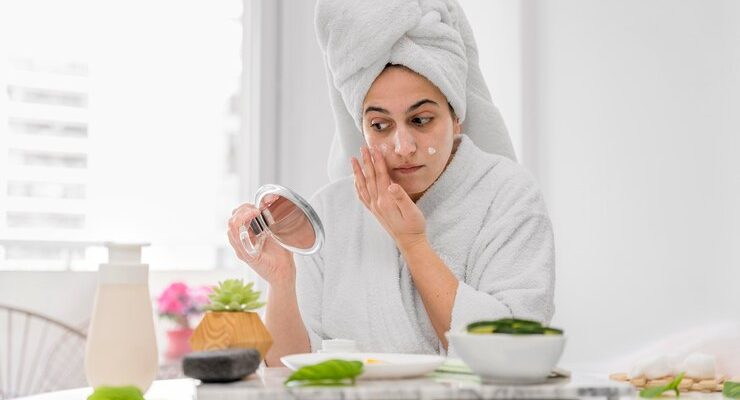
[118, 122]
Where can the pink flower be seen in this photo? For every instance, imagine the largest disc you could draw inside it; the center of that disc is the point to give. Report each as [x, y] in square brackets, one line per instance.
[170, 305]
[199, 295]
[178, 302]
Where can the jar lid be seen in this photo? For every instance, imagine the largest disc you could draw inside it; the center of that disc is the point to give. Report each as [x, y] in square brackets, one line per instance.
[124, 253]
[338, 346]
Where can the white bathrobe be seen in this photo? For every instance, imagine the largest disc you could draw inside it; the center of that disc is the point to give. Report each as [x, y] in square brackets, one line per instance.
[485, 218]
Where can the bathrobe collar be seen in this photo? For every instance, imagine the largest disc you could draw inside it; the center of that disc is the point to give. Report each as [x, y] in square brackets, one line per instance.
[458, 170]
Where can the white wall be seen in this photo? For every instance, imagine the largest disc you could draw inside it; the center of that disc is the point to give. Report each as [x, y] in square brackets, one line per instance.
[498, 31]
[306, 122]
[68, 296]
[637, 131]
[65, 296]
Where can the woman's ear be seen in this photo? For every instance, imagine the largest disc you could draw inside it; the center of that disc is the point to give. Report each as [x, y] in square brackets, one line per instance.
[456, 127]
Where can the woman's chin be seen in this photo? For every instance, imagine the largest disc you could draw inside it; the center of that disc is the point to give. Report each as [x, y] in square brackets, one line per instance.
[414, 191]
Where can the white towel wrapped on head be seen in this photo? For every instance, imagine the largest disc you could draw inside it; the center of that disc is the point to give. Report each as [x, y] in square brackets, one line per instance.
[431, 37]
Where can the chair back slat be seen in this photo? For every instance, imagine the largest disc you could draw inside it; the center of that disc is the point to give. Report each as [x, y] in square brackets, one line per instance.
[41, 354]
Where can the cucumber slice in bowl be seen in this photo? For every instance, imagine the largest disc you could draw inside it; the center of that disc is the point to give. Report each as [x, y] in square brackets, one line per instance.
[512, 326]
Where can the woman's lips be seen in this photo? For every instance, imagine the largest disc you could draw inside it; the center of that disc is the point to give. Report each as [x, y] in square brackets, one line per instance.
[408, 170]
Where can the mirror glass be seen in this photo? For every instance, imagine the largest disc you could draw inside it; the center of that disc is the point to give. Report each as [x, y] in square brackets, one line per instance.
[285, 216]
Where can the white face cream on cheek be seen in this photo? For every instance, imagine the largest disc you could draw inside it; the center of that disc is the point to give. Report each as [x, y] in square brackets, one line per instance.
[431, 150]
[384, 148]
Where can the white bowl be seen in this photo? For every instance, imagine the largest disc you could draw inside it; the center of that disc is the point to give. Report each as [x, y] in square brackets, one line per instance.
[505, 358]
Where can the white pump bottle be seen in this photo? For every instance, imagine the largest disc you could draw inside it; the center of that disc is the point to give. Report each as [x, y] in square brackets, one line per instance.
[121, 342]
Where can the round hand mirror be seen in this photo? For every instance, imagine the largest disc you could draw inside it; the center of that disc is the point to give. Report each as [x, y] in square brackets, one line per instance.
[285, 216]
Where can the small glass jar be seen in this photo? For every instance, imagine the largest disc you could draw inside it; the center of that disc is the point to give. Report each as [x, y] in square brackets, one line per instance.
[338, 346]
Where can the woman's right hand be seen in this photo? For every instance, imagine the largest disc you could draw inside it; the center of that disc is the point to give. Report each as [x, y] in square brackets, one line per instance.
[273, 262]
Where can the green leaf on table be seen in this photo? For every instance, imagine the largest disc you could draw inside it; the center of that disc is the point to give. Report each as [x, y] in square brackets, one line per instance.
[731, 390]
[116, 393]
[659, 390]
[327, 373]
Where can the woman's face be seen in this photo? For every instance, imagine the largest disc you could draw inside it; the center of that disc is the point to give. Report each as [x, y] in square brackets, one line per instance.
[408, 119]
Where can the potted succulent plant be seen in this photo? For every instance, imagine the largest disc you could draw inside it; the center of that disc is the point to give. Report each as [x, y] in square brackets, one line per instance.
[230, 320]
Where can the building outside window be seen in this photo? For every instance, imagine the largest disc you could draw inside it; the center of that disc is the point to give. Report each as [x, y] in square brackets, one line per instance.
[118, 122]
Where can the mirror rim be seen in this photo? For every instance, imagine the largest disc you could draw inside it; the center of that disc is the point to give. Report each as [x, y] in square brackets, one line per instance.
[303, 205]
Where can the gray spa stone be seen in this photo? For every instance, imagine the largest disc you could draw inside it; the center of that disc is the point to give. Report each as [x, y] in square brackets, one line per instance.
[221, 365]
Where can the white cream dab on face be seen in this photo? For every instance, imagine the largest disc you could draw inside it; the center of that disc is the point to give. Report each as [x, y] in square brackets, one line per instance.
[431, 150]
[383, 148]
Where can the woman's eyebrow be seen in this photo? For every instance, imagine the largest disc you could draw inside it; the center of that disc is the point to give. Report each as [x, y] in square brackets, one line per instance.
[410, 109]
[420, 103]
[378, 109]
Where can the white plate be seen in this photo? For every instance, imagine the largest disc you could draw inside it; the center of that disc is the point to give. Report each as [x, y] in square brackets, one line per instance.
[391, 365]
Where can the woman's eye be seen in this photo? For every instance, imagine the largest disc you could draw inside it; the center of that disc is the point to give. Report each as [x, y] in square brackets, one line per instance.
[379, 126]
[420, 121]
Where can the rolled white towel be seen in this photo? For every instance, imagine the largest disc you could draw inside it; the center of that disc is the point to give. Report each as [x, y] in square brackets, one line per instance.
[699, 366]
[675, 360]
[651, 368]
[720, 339]
[695, 365]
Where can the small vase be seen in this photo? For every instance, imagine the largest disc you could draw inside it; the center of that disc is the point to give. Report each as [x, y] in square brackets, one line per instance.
[238, 329]
[178, 342]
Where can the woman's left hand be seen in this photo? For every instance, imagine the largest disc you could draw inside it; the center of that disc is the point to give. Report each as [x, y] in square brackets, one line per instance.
[387, 200]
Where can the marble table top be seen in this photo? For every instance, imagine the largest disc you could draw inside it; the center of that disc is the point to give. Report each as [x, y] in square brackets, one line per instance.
[267, 384]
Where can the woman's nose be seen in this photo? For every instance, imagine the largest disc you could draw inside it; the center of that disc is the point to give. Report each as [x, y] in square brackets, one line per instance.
[405, 144]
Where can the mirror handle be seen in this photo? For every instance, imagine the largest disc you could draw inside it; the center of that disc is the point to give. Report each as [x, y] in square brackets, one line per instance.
[252, 249]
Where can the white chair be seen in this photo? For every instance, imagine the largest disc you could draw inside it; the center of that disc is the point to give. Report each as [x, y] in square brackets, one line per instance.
[38, 354]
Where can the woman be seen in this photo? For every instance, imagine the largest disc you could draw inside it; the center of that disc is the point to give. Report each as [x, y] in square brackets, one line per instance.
[429, 232]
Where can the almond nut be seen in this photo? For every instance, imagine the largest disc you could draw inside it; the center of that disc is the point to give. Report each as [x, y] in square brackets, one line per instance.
[620, 376]
[658, 382]
[639, 382]
[708, 384]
